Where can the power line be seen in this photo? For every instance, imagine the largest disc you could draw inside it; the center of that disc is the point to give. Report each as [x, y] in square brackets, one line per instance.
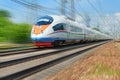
[73, 9]
[63, 5]
[68, 10]
[104, 21]
[30, 5]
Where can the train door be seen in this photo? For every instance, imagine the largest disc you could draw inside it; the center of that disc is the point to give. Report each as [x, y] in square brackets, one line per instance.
[84, 33]
[68, 29]
[68, 34]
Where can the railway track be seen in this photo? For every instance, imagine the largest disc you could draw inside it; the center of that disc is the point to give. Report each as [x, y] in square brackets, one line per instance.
[10, 59]
[10, 52]
[22, 67]
[14, 51]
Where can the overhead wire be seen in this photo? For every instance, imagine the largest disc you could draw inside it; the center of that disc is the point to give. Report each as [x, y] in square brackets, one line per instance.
[69, 10]
[33, 6]
[108, 19]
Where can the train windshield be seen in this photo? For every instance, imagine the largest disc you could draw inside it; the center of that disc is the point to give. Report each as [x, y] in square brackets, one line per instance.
[60, 26]
[44, 20]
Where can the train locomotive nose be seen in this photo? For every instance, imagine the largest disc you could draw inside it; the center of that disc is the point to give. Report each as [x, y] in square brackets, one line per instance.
[35, 39]
[39, 29]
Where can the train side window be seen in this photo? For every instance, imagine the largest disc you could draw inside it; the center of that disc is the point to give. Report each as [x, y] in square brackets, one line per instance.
[75, 29]
[89, 32]
[59, 27]
[79, 29]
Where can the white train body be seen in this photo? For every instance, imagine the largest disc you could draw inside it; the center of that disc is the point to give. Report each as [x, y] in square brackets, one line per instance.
[56, 30]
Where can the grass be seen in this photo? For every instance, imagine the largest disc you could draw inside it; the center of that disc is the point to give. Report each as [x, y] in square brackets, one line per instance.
[12, 45]
[102, 69]
[106, 53]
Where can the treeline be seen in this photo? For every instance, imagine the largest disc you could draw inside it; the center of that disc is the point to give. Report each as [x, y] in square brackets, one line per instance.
[12, 32]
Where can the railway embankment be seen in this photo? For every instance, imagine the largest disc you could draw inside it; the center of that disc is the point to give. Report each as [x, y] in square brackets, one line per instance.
[101, 64]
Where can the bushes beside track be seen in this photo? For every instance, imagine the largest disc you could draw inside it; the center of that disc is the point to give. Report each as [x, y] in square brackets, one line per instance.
[12, 32]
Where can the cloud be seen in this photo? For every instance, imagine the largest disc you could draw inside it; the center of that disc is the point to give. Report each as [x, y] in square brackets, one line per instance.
[117, 16]
[109, 23]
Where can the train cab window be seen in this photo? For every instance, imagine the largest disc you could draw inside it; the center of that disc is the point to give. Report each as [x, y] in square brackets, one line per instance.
[59, 27]
[44, 20]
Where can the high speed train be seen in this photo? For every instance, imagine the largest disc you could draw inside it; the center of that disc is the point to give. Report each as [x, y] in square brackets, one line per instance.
[57, 30]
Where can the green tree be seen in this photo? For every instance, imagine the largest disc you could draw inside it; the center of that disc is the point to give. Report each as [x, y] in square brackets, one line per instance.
[4, 28]
[12, 32]
[20, 33]
[4, 13]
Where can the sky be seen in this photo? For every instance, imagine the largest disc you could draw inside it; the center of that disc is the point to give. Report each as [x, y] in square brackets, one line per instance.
[105, 13]
[103, 6]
